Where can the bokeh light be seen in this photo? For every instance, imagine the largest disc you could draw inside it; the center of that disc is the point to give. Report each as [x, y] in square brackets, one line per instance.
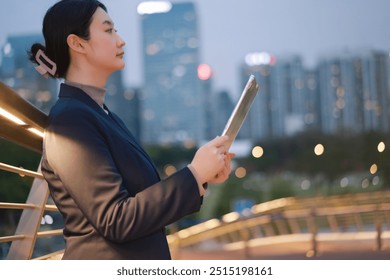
[240, 172]
[204, 72]
[169, 169]
[319, 149]
[257, 152]
[373, 168]
[381, 147]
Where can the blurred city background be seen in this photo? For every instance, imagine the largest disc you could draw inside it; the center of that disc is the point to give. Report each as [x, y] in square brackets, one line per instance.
[319, 126]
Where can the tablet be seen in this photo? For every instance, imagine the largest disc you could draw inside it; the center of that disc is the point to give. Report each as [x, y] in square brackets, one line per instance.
[241, 110]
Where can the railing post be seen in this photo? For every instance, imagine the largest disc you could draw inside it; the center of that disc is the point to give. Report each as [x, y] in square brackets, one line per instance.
[176, 247]
[379, 236]
[245, 237]
[30, 221]
[313, 229]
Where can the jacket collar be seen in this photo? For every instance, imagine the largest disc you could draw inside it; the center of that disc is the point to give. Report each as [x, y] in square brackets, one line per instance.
[96, 93]
[68, 91]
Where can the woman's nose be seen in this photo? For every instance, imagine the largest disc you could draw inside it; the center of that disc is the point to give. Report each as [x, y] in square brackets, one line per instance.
[120, 42]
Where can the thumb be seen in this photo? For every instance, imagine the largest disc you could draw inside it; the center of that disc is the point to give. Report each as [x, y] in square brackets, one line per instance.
[219, 140]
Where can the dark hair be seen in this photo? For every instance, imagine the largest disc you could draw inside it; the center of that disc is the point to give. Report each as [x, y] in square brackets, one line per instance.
[62, 19]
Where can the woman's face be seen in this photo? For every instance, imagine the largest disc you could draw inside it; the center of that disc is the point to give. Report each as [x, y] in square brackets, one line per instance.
[105, 47]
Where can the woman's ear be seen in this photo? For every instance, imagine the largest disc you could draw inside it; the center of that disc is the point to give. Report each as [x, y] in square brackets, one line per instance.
[76, 43]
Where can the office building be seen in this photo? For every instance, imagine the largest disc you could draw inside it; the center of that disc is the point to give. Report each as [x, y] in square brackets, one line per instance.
[172, 102]
[355, 92]
[280, 108]
[18, 72]
[124, 102]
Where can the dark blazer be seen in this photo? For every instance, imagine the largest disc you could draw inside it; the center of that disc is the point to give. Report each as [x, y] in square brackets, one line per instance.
[114, 204]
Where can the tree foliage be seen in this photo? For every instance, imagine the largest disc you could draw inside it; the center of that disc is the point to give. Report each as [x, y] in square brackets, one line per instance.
[343, 154]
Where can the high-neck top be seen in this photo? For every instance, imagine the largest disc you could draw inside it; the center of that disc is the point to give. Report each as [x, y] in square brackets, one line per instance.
[96, 93]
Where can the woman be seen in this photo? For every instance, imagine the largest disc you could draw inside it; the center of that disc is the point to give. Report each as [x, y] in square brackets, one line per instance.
[114, 204]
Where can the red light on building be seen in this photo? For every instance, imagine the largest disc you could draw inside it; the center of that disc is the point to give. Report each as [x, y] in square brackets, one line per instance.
[272, 60]
[204, 72]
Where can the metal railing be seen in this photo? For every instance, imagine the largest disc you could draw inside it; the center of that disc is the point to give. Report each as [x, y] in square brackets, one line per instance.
[312, 221]
[28, 229]
[286, 220]
[23, 124]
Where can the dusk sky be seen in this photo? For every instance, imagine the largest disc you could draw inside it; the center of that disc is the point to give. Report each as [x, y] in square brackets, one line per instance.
[229, 29]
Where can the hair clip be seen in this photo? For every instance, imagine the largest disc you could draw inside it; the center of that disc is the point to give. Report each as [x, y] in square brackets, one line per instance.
[45, 64]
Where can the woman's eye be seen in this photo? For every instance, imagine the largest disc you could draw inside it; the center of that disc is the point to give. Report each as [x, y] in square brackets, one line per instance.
[111, 30]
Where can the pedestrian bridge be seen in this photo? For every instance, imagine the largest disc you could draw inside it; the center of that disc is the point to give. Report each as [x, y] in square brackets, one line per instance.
[354, 226]
[333, 227]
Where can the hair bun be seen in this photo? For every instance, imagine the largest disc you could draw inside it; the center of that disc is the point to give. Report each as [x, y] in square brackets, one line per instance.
[33, 51]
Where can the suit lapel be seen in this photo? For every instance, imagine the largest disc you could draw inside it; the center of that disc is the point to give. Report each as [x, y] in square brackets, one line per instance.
[68, 91]
[130, 137]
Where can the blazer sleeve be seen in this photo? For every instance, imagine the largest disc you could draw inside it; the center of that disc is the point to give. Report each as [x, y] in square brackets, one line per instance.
[80, 156]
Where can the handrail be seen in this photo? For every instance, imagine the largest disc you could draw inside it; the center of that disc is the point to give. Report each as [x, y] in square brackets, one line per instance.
[20, 120]
[51, 207]
[23, 124]
[21, 206]
[293, 217]
[16, 206]
[20, 171]
[4, 239]
[49, 233]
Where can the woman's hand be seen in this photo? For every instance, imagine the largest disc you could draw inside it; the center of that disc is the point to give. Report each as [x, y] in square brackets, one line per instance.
[212, 162]
[223, 175]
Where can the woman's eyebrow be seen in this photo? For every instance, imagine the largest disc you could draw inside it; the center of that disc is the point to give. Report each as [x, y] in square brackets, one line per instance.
[108, 22]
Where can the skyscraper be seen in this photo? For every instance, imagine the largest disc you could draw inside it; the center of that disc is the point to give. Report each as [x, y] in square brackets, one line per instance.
[258, 123]
[123, 102]
[280, 108]
[355, 92]
[171, 109]
[18, 72]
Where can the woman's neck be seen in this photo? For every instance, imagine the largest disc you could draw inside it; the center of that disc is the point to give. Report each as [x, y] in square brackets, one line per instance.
[86, 76]
[96, 93]
[100, 83]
